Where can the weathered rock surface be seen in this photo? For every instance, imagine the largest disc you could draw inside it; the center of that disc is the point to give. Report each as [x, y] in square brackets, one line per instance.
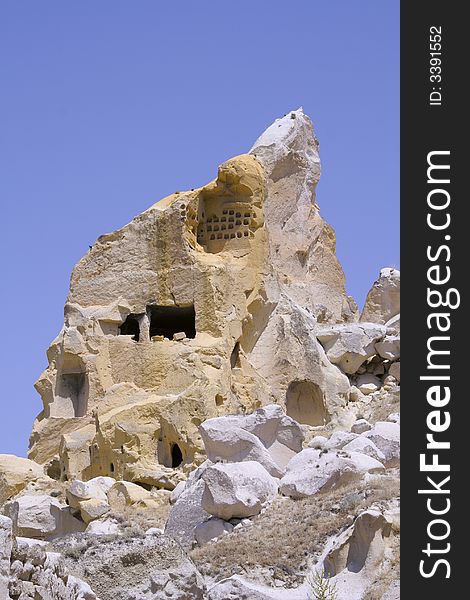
[386, 436]
[102, 526]
[95, 489]
[360, 426]
[237, 490]
[15, 474]
[41, 516]
[152, 567]
[93, 509]
[214, 325]
[302, 245]
[383, 299]
[267, 436]
[352, 559]
[389, 347]
[313, 471]
[125, 493]
[187, 512]
[339, 439]
[33, 572]
[368, 384]
[211, 529]
[349, 346]
[244, 267]
[365, 446]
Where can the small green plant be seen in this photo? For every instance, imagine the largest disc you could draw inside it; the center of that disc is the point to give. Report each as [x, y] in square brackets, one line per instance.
[322, 587]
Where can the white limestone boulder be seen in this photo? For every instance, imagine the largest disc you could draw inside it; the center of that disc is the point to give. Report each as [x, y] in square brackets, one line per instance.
[363, 445]
[94, 489]
[386, 436]
[368, 383]
[211, 530]
[126, 493]
[237, 490]
[103, 527]
[360, 426]
[266, 436]
[225, 441]
[339, 439]
[313, 471]
[350, 345]
[187, 512]
[383, 300]
[318, 442]
[93, 509]
[389, 347]
[41, 516]
[176, 493]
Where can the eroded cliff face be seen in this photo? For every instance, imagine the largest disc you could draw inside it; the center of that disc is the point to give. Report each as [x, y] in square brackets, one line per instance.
[205, 304]
[214, 406]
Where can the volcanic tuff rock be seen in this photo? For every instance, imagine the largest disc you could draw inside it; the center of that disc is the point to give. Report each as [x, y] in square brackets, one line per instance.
[213, 406]
[16, 473]
[383, 299]
[205, 304]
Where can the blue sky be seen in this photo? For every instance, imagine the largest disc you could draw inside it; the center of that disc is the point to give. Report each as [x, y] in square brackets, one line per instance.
[108, 106]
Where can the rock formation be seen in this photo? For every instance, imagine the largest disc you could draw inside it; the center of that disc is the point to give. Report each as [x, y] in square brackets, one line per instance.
[211, 379]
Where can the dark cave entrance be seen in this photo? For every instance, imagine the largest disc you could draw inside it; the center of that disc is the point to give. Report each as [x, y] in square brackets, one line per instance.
[235, 356]
[131, 326]
[168, 320]
[176, 456]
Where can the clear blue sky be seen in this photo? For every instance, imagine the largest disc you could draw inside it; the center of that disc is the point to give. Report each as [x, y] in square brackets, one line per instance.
[107, 106]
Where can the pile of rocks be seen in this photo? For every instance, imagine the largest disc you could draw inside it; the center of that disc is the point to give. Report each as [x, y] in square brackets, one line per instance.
[253, 458]
[28, 570]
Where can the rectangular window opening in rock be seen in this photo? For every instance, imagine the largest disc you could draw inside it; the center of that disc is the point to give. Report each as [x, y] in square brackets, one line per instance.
[74, 387]
[131, 326]
[168, 320]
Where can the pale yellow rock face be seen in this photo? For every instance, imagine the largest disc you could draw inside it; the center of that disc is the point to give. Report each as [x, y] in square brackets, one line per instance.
[190, 312]
[15, 474]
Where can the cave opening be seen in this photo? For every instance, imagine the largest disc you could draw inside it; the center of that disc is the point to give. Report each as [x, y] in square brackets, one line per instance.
[305, 403]
[168, 320]
[176, 456]
[235, 357]
[131, 326]
[74, 387]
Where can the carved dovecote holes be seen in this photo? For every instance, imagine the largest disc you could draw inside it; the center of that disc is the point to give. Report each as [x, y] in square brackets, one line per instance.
[224, 224]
